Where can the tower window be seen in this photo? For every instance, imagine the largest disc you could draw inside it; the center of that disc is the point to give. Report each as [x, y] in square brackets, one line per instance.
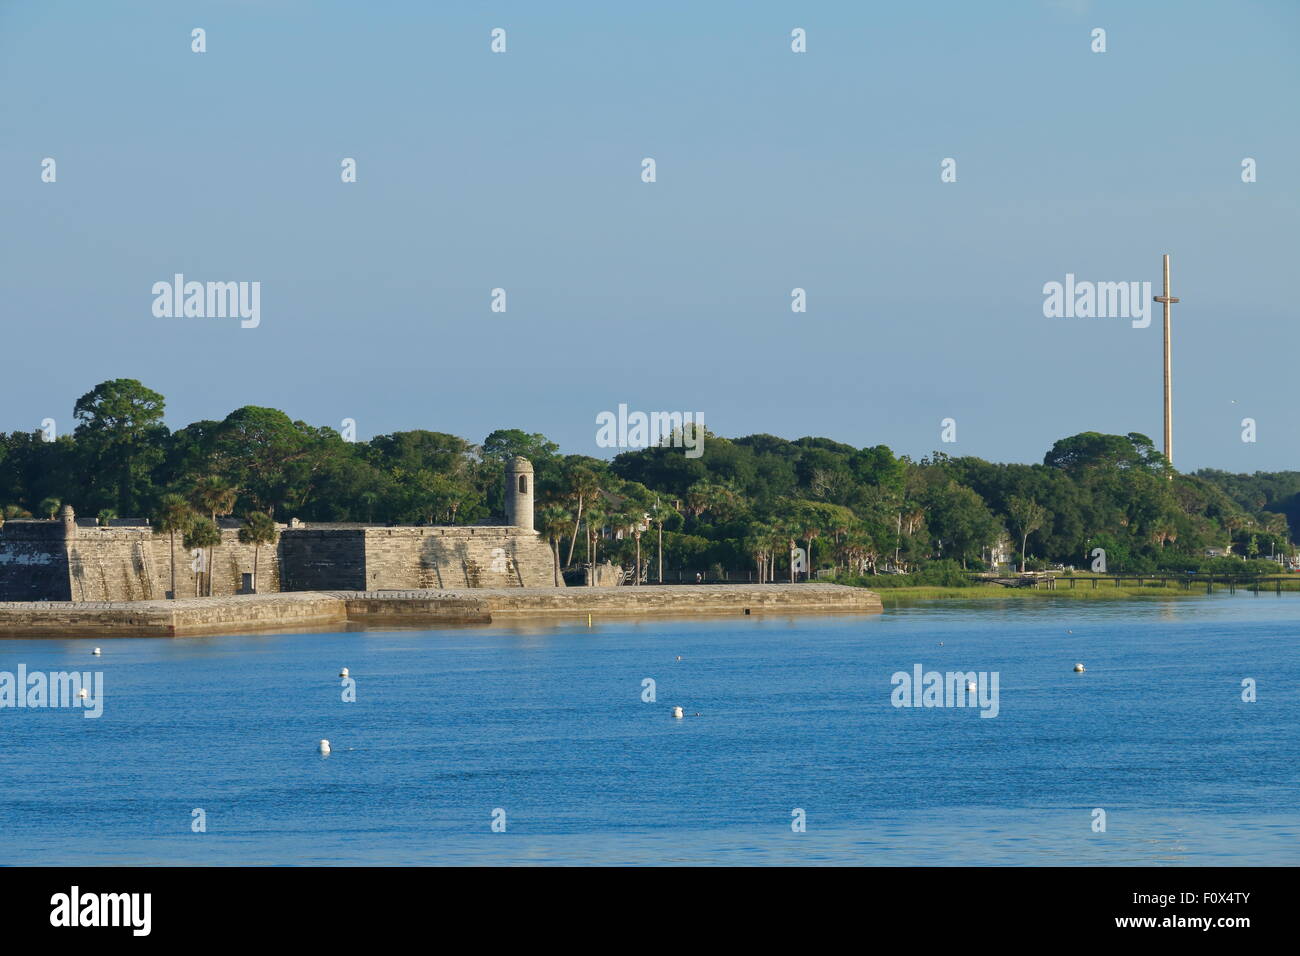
[523, 484]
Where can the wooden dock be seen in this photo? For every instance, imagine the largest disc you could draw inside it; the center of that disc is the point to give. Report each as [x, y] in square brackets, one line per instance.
[1276, 583]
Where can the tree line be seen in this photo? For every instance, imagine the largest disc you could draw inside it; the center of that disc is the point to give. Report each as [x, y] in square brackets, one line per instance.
[743, 505]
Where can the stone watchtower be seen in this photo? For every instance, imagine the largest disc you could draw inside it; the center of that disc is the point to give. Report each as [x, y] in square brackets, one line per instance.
[519, 493]
[69, 522]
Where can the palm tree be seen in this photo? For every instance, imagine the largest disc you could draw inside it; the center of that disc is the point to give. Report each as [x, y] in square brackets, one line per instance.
[203, 533]
[776, 539]
[699, 497]
[724, 500]
[856, 550]
[174, 514]
[659, 512]
[258, 529]
[1163, 530]
[554, 522]
[595, 521]
[632, 522]
[583, 485]
[758, 544]
[215, 495]
[106, 516]
[50, 506]
[1233, 522]
[841, 522]
[810, 522]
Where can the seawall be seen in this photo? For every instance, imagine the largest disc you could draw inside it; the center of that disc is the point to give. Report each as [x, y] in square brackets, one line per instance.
[55, 561]
[299, 610]
[681, 599]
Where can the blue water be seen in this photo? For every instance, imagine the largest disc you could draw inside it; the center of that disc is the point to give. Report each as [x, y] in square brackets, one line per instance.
[547, 723]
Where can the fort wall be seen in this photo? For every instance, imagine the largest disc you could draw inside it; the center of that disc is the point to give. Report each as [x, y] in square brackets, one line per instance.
[33, 562]
[314, 559]
[63, 561]
[443, 558]
[45, 561]
[134, 564]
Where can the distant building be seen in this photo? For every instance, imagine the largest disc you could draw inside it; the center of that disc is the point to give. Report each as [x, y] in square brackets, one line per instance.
[999, 552]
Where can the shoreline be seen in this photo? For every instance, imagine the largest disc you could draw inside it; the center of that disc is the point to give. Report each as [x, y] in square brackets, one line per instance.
[296, 610]
[892, 597]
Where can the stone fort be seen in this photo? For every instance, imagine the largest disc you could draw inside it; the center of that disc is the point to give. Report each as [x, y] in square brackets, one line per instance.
[68, 560]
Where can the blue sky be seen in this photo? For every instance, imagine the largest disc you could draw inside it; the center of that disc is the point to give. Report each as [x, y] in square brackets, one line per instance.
[775, 170]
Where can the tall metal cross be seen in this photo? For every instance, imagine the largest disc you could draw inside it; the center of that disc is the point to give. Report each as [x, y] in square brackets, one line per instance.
[1168, 300]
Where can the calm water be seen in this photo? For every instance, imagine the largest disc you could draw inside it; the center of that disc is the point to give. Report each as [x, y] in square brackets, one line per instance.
[548, 724]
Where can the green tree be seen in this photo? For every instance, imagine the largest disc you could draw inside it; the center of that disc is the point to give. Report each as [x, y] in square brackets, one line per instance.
[632, 522]
[50, 507]
[660, 511]
[554, 522]
[203, 534]
[506, 443]
[758, 543]
[813, 519]
[270, 458]
[258, 528]
[427, 496]
[582, 485]
[214, 495]
[961, 523]
[595, 523]
[416, 449]
[174, 514]
[121, 434]
[1027, 516]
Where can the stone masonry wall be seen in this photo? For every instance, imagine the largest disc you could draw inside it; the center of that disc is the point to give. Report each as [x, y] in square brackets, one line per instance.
[231, 560]
[37, 563]
[471, 557]
[134, 564]
[112, 564]
[320, 560]
[33, 562]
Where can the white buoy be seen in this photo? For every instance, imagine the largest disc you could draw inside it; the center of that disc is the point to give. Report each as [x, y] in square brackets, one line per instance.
[679, 657]
[970, 687]
[344, 672]
[324, 746]
[677, 712]
[83, 693]
[96, 652]
[1079, 668]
